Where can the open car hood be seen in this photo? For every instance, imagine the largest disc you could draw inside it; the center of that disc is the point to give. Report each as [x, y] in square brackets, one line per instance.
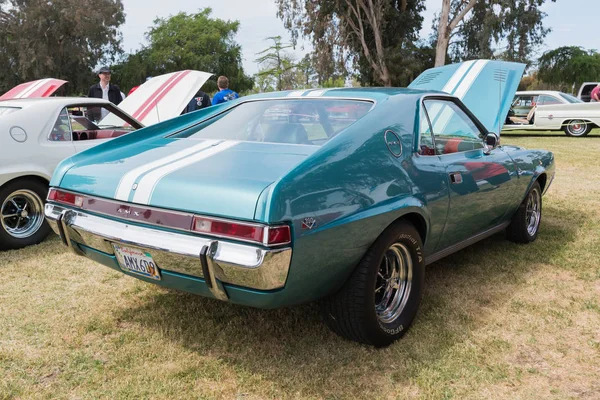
[40, 88]
[162, 97]
[486, 87]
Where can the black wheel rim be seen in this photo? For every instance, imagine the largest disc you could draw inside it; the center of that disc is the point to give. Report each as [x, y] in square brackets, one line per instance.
[22, 214]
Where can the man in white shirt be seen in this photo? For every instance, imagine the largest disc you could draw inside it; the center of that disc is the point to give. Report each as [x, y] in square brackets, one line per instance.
[105, 90]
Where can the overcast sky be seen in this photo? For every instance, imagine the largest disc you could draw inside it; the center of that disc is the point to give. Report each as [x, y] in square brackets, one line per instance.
[574, 22]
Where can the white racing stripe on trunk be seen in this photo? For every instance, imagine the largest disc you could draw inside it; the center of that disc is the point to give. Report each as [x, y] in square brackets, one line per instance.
[146, 185]
[31, 89]
[127, 181]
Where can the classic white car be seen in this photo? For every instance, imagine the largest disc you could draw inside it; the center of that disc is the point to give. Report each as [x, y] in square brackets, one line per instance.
[37, 132]
[545, 110]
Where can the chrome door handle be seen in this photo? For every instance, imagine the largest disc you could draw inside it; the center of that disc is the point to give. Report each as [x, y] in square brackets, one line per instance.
[456, 178]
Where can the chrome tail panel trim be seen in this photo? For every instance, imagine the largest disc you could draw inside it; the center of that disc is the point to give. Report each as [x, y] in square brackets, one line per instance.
[238, 264]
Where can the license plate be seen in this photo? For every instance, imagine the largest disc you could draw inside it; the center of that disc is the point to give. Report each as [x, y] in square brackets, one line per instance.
[136, 261]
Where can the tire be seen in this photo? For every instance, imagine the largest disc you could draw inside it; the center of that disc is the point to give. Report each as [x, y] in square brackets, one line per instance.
[358, 311]
[577, 128]
[22, 221]
[525, 224]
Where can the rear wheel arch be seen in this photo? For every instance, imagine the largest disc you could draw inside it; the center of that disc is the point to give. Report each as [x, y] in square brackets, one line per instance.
[28, 178]
[417, 220]
[542, 179]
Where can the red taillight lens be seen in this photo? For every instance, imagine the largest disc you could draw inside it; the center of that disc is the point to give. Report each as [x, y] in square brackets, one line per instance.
[65, 198]
[248, 232]
[229, 229]
[279, 235]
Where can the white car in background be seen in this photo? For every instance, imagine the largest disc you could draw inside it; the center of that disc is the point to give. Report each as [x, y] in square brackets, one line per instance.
[37, 132]
[544, 110]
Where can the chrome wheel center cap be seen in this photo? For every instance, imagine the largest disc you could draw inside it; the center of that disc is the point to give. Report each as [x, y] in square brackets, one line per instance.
[24, 214]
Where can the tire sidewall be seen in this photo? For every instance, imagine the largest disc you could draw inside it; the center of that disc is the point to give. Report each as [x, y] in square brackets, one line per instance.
[8, 242]
[585, 132]
[536, 186]
[382, 334]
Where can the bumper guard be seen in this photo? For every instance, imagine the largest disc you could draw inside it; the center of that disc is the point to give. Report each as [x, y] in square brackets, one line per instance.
[215, 261]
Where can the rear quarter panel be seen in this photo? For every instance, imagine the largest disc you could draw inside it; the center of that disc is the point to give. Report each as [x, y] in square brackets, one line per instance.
[34, 156]
[555, 116]
[353, 188]
[531, 165]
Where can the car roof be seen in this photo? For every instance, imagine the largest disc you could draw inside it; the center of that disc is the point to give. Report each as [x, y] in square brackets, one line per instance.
[22, 103]
[368, 93]
[534, 92]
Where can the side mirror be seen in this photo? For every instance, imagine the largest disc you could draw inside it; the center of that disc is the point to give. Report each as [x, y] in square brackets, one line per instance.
[490, 141]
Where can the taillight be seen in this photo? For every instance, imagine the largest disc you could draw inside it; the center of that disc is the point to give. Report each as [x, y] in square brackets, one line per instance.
[65, 198]
[278, 235]
[262, 234]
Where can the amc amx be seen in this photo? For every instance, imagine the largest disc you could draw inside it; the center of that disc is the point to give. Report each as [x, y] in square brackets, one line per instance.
[340, 195]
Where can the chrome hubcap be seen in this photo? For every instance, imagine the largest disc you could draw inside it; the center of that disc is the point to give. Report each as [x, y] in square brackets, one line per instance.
[577, 127]
[533, 212]
[22, 214]
[394, 280]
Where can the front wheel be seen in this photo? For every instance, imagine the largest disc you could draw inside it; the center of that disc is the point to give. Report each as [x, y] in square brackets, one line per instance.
[380, 300]
[577, 128]
[22, 221]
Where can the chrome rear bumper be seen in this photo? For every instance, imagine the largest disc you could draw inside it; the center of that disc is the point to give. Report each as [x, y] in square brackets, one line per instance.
[215, 261]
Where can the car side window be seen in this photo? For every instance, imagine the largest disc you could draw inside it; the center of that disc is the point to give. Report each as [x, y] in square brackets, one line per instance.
[426, 145]
[545, 100]
[453, 130]
[61, 131]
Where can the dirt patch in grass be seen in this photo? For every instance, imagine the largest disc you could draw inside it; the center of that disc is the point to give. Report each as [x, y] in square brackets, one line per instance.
[498, 320]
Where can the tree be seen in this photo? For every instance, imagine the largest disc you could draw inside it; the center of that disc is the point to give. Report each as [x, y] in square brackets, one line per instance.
[63, 39]
[278, 64]
[446, 25]
[188, 41]
[517, 24]
[569, 65]
[373, 34]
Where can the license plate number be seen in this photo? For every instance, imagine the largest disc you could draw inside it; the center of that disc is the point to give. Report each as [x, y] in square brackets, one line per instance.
[136, 261]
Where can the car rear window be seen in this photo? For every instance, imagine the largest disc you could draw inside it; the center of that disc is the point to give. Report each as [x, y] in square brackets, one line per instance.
[8, 110]
[294, 121]
[570, 99]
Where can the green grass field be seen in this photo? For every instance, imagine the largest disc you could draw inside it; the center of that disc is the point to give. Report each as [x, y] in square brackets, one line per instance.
[498, 320]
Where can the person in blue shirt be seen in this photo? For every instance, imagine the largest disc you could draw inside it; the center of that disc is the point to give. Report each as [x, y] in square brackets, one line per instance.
[224, 94]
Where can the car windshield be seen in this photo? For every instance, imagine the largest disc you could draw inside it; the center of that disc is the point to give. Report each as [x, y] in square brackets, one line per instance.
[8, 110]
[295, 121]
[570, 99]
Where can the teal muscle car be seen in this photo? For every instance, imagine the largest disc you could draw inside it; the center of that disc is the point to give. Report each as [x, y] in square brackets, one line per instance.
[339, 195]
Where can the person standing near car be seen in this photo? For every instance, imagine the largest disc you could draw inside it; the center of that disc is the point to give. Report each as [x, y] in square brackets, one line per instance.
[199, 101]
[224, 94]
[104, 90]
[595, 95]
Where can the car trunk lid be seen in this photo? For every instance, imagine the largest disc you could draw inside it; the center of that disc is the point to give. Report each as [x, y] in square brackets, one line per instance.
[34, 89]
[212, 177]
[162, 97]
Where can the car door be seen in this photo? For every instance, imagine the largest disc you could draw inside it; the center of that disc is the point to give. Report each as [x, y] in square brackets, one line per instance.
[482, 186]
